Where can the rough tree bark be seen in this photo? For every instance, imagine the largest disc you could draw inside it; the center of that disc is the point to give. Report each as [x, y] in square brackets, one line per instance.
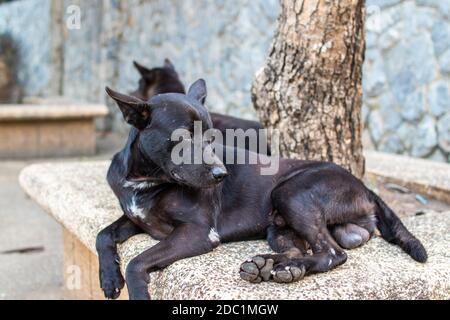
[310, 87]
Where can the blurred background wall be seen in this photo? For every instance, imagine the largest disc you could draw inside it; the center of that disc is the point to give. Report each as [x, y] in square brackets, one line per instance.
[406, 73]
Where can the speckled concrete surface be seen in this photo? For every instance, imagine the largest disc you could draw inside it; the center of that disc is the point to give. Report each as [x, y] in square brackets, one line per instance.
[77, 195]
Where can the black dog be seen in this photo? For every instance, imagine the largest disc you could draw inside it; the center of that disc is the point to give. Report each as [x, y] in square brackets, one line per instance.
[192, 208]
[166, 80]
[157, 80]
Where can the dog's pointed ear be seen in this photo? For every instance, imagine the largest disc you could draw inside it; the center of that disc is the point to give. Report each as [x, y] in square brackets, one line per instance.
[198, 90]
[143, 71]
[168, 64]
[135, 111]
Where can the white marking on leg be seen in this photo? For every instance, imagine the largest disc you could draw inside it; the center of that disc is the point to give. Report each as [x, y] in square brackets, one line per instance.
[135, 210]
[330, 262]
[214, 236]
[332, 251]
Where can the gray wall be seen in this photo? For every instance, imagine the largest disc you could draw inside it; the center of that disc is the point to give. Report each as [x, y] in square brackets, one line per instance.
[406, 73]
[27, 22]
[407, 77]
[221, 41]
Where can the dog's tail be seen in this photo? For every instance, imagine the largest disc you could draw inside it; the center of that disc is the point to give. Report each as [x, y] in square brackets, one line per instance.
[393, 230]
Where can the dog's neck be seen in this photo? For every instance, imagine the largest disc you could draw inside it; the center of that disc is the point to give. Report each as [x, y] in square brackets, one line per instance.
[142, 170]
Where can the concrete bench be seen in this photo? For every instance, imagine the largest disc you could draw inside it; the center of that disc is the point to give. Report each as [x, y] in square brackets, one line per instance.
[48, 129]
[77, 195]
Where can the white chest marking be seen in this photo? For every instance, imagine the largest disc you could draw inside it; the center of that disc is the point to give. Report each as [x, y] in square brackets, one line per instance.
[213, 236]
[135, 209]
[138, 185]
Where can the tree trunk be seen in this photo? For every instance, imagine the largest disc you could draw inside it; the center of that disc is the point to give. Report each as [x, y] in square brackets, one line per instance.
[310, 88]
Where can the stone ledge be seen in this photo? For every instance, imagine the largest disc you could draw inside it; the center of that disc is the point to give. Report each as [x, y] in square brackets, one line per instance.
[425, 176]
[77, 195]
[27, 112]
[48, 130]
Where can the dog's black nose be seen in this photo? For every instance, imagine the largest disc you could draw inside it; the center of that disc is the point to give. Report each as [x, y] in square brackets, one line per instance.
[219, 173]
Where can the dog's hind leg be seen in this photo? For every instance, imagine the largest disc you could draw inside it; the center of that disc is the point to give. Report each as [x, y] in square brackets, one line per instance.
[292, 264]
[308, 223]
[111, 280]
[326, 255]
[287, 244]
[305, 218]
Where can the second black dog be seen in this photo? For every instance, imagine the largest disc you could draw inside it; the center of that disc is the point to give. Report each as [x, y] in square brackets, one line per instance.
[165, 79]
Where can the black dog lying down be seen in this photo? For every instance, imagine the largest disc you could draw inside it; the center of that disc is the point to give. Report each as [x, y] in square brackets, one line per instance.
[192, 208]
[165, 79]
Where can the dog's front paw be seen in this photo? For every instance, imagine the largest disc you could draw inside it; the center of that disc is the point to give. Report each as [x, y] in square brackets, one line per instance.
[256, 269]
[111, 282]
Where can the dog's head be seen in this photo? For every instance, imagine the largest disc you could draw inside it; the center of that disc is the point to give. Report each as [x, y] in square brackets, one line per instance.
[156, 122]
[157, 80]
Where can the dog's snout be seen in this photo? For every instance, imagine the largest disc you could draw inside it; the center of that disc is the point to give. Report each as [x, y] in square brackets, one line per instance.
[219, 173]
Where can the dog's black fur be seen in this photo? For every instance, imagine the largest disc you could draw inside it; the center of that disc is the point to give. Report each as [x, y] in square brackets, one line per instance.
[191, 209]
[165, 79]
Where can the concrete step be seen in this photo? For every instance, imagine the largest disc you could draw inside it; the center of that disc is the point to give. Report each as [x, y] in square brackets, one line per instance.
[48, 130]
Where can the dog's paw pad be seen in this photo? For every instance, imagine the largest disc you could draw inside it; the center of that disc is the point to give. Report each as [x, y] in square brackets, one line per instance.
[250, 272]
[259, 261]
[288, 274]
[250, 277]
[298, 273]
[256, 269]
